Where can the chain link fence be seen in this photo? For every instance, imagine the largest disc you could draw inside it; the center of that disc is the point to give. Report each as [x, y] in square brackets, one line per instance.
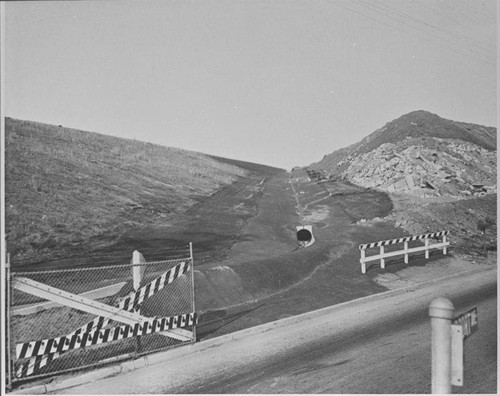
[64, 320]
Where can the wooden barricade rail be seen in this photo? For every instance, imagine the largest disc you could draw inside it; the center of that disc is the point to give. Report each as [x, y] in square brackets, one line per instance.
[406, 251]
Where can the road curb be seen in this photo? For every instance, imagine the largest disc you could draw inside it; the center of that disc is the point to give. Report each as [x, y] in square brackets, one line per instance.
[150, 360]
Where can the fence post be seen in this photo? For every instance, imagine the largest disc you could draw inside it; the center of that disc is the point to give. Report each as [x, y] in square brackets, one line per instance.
[444, 241]
[382, 260]
[137, 270]
[441, 311]
[406, 251]
[7, 322]
[192, 286]
[362, 261]
[426, 248]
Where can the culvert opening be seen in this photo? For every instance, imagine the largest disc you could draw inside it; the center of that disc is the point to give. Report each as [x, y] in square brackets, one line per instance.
[304, 235]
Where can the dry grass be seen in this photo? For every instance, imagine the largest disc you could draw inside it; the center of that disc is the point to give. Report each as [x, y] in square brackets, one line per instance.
[69, 191]
[459, 216]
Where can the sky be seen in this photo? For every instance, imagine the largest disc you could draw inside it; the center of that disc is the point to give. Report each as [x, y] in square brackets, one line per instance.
[281, 82]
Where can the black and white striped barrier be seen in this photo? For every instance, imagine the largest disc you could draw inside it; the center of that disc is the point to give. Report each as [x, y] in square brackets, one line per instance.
[44, 351]
[76, 341]
[130, 303]
[382, 255]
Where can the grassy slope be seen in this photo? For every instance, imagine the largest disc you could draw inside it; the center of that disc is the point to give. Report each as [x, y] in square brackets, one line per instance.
[70, 191]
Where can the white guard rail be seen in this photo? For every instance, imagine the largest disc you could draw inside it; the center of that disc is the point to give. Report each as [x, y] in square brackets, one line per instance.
[406, 251]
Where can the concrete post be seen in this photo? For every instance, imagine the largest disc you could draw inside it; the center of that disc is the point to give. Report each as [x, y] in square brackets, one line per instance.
[426, 248]
[406, 252]
[444, 241]
[441, 311]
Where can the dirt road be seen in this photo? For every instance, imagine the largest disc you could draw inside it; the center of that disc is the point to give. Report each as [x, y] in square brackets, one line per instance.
[378, 344]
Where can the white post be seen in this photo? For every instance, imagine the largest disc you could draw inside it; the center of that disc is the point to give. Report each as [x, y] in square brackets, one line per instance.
[426, 248]
[382, 260]
[406, 252]
[137, 270]
[444, 241]
[457, 355]
[362, 261]
[441, 311]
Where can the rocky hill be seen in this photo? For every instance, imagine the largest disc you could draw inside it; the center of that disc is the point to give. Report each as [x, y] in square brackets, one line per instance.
[420, 154]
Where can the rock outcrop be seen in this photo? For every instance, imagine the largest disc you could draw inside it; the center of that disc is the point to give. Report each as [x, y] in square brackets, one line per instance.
[446, 158]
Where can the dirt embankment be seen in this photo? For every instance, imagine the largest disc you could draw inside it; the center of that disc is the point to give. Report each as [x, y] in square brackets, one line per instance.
[248, 267]
[458, 216]
[266, 277]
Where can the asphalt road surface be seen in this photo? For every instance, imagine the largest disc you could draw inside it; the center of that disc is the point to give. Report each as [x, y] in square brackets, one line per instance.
[378, 344]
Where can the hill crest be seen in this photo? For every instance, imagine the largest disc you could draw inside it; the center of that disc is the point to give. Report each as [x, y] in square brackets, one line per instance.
[418, 153]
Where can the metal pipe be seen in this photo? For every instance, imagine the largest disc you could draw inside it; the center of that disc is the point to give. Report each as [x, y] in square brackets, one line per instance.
[7, 322]
[192, 286]
[441, 311]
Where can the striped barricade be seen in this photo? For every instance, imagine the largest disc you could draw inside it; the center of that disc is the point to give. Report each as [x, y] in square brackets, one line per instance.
[406, 251]
[89, 338]
[44, 351]
[55, 347]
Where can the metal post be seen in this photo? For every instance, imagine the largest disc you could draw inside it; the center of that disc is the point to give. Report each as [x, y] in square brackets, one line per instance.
[426, 248]
[7, 322]
[137, 273]
[406, 252]
[441, 311]
[382, 260]
[362, 261]
[192, 286]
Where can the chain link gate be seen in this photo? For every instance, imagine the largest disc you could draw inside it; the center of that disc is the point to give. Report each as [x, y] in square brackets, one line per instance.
[64, 320]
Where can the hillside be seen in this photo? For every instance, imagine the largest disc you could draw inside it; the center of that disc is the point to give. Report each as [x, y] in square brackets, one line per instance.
[419, 153]
[439, 174]
[72, 192]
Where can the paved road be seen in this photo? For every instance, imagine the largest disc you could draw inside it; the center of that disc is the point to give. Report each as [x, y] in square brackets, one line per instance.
[379, 344]
[392, 356]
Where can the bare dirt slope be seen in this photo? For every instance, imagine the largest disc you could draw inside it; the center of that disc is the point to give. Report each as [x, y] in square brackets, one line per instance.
[243, 291]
